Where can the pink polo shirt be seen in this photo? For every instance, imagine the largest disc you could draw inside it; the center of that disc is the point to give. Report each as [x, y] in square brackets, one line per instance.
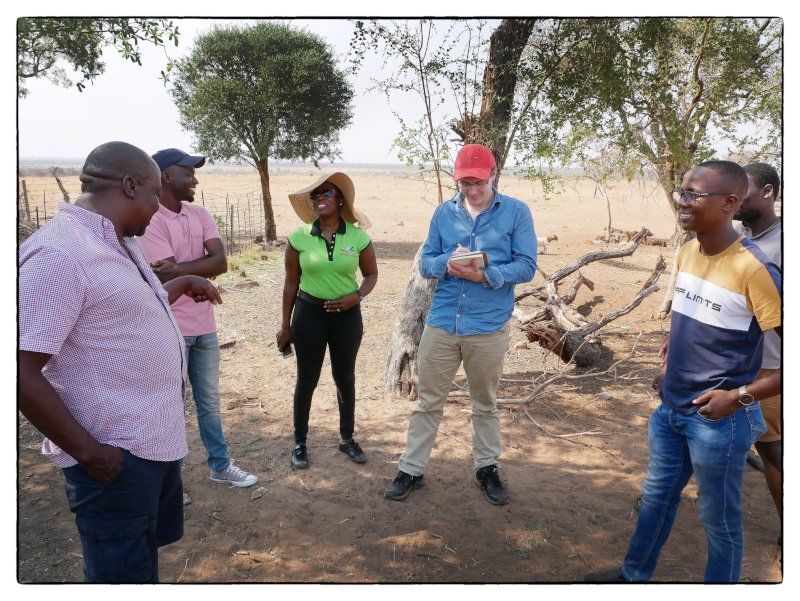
[183, 235]
[117, 354]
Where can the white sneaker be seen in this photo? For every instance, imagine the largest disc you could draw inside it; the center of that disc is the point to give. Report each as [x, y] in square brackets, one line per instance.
[187, 500]
[234, 475]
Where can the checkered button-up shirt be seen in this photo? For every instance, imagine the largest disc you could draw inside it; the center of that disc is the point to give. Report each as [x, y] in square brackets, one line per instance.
[117, 353]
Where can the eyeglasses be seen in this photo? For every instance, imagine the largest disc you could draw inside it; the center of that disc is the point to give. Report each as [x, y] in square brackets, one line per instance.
[691, 197]
[462, 185]
[329, 193]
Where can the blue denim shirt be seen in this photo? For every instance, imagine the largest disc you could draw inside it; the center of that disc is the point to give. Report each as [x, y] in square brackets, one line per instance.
[504, 231]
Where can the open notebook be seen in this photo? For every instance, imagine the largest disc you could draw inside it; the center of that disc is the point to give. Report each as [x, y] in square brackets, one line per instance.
[466, 258]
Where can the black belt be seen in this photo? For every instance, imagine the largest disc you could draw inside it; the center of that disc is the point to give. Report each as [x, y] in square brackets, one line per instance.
[318, 302]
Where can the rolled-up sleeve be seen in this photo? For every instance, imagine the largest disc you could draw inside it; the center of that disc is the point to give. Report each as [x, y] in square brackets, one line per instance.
[433, 262]
[522, 267]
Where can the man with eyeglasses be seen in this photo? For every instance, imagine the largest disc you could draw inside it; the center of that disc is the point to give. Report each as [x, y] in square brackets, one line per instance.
[727, 294]
[183, 239]
[468, 319]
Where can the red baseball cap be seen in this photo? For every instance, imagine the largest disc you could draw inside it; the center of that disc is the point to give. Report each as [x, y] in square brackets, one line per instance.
[474, 160]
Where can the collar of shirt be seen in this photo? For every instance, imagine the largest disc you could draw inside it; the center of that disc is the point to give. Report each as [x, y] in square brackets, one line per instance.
[93, 221]
[165, 212]
[750, 235]
[459, 201]
[316, 228]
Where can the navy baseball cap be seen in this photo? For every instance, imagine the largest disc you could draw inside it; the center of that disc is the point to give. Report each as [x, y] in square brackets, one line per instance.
[172, 156]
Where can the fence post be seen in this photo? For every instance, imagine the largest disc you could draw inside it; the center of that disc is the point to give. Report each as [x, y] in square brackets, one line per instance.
[25, 198]
[37, 217]
[202, 198]
[227, 227]
[238, 219]
[233, 243]
[44, 202]
[249, 222]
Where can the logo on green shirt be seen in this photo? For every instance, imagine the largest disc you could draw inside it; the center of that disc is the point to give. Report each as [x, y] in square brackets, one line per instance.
[348, 251]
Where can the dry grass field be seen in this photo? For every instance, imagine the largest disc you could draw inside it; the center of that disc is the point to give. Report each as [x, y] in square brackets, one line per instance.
[572, 506]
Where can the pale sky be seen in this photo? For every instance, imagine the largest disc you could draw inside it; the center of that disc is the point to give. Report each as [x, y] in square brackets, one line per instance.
[129, 102]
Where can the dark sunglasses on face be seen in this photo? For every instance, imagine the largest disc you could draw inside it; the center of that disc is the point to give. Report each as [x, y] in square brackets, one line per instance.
[330, 193]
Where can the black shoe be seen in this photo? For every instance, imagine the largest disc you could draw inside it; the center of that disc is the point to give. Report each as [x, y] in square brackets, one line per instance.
[611, 576]
[402, 486]
[300, 457]
[489, 481]
[353, 451]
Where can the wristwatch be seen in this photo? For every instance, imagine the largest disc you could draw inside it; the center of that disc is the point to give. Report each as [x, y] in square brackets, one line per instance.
[360, 296]
[745, 398]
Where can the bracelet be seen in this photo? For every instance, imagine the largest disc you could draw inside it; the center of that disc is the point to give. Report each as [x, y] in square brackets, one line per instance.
[360, 296]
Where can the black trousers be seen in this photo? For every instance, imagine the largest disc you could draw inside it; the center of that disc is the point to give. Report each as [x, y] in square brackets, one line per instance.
[314, 329]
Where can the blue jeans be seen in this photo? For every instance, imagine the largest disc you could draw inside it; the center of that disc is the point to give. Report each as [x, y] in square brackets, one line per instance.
[716, 452]
[202, 355]
[123, 523]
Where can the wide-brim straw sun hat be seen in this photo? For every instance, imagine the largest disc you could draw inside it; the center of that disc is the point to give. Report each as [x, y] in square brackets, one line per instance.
[301, 200]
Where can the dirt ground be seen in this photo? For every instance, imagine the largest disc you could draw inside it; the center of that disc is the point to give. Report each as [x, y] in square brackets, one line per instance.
[572, 506]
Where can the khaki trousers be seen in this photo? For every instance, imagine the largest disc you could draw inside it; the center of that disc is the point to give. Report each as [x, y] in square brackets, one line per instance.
[439, 357]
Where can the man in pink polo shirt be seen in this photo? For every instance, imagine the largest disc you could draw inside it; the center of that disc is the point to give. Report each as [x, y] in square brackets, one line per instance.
[183, 239]
[101, 365]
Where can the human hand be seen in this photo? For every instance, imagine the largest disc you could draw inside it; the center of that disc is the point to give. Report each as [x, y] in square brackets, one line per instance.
[716, 404]
[344, 303]
[283, 338]
[165, 269]
[201, 290]
[466, 272]
[103, 463]
[662, 351]
[460, 250]
[658, 380]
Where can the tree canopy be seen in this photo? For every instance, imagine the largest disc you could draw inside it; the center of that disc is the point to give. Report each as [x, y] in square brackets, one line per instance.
[663, 92]
[43, 43]
[265, 91]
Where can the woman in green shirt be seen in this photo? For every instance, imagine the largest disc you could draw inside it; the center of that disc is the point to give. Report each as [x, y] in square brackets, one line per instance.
[321, 301]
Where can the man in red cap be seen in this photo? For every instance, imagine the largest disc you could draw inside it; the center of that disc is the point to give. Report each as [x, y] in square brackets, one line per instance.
[469, 315]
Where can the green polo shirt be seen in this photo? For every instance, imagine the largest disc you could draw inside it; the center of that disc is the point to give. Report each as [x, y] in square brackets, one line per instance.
[329, 270]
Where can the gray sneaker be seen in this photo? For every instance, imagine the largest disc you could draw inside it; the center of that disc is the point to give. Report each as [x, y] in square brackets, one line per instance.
[234, 475]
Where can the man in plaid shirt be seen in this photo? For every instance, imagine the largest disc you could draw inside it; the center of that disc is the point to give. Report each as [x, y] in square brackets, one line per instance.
[101, 365]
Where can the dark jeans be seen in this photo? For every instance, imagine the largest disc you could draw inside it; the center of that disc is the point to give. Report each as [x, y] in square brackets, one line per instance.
[312, 330]
[123, 523]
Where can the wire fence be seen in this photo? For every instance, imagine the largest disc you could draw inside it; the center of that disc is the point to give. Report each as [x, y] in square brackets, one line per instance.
[238, 211]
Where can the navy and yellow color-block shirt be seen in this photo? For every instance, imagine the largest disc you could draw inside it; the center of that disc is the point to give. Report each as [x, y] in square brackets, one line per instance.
[328, 269]
[722, 306]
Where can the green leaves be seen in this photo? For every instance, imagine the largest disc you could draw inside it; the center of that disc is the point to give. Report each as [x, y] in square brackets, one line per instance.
[262, 91]
[661, 92]
[42, 43]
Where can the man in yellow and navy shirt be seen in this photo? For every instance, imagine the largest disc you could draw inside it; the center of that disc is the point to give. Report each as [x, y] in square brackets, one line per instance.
[727, 294]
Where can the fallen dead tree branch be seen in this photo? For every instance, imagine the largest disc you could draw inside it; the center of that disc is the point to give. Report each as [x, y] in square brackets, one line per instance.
[560, 329]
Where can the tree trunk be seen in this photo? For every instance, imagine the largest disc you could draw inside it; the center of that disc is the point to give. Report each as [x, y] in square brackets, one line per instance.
[666, 177]
[401, 372]
[499, 82]
[270, 234]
